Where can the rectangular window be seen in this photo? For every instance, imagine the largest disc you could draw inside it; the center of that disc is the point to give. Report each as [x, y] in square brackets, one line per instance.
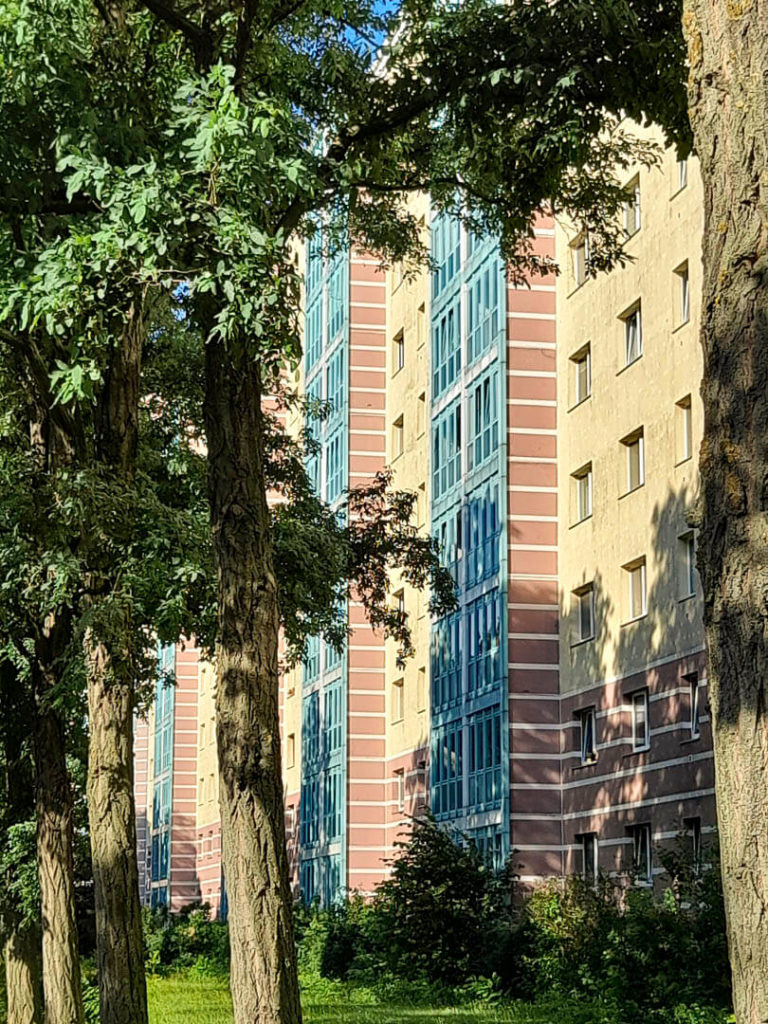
[447, 768]
[633, 335]
[642, 853]
[632, 208]
[641, 732]
[693, 832]
[421, 689]
[484, 758]
[421, 414]
[635, 461]
[421, 505]
[202, 735]
[398, 705]
[398, 351]
[580, 258]
[694, 694]
[682, 174]
[482, 308]
[400, 789]
[421, 325]
[484, 420]
[686, 546]
[587, 736]
[582, 374]
[684, 429]
[398, 438]
[446, 451]
[683, 311]
[584, 600]
[589, 857]
[582, 491]
[334, 466]
[446, 237]
[636, 606]
[446, 350]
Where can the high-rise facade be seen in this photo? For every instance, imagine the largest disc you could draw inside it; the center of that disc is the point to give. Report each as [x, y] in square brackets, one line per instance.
[549, 430]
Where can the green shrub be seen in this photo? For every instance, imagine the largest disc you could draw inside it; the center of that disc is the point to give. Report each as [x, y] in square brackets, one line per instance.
[189, 940]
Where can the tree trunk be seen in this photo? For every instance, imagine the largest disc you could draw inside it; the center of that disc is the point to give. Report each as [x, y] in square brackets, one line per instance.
[263, 979]
[24, 975]
[112, 817]
[111, 810]
[728, 93]
[61, 958]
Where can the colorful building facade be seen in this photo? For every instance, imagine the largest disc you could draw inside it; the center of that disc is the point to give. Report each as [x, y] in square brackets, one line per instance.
[549, 431]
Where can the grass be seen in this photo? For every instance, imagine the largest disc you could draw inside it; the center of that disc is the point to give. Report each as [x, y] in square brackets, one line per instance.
[184, 999]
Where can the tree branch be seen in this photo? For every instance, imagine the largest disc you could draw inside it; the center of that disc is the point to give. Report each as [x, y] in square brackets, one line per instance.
[198, 39]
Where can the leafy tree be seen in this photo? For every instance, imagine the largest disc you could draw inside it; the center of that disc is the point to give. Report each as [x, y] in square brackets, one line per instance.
[176, 145]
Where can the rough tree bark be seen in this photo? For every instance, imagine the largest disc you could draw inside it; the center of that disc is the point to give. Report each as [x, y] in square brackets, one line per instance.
[22, 953]
[264, 978]
[55, 867]
[728, 99]
[111, 810]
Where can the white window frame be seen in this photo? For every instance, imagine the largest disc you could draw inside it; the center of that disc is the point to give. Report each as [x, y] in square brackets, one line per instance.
[588, 841]
[683, 294]
[685, 428]
[632, 216]
[637, 439]
[637, 571]
[682, 173]
[399, 353]
[400, 790]
[694, 713]
[582, 363]
[580, 258]
[398, 437]
[587, 733]
[687, 551]
[640, 699]
[398, 701]
[633, 343]
[642, 850]
[581, 595]
[583, 484]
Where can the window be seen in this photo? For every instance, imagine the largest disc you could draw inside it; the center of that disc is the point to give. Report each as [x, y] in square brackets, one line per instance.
[421, 325]
[421, 505]
[290, 750]
[421, 689]
[636, 589]
[682, 174]
[397, 701]
[693, 832]
[587, 736]
[589, 861]
[482, 308]
[582, 375]
[397, 437]
[446, 451]
[291, 824]
[635, 461]
[446, 350]
[693, 704]
[421, 414]
[584, 600]
[400, 598]
[642, 853]
[683, 311]
[580, 258]
[632, 208]
[400, 789]
[684, 429]
[202, 735]
[633, 335]
[484, 418]
[582, 485]
[641, 732]
[484, 758]
[686, 546]
[398, 353]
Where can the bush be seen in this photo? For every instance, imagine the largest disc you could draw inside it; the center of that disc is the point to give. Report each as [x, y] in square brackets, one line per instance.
[187, 940]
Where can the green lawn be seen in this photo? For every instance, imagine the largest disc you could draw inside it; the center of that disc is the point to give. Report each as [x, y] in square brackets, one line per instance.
[192, 1000]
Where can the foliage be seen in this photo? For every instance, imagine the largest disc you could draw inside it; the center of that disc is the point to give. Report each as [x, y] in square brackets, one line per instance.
[639, 952]
[189, 940]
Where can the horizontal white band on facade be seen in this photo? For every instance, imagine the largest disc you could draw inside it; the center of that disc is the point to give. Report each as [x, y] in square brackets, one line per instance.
[539, 577]
[545, 403]
[519, 343]
[367, 849]
[622, 773]
[632, 805]
[367, 452]
[366, 714]
[531, 316]
[535, 666]
[364, 432]
[537, 757]
[519, 606]
[535, 374]
[512, 546]
[534, 460]
[534, 696]
[529, 489]
[373, 328]
[363, 389]
[533, 636]
[533, 432]
[535, 726]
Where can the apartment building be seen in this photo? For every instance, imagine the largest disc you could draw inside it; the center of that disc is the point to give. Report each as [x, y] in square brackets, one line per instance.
[637, 756]
[549, 431]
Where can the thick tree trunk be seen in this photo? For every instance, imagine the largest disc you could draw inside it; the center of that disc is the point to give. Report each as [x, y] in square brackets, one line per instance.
[24, 976]
[263, 976]
[111, 810]
[728, 50]
[61, 958]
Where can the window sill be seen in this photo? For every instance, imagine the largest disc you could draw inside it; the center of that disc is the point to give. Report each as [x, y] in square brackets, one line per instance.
[397, 371]
[627, 366]
[637, 618]
[632, 490]
[690, 739]
[582, 641]
[580, 521]
[682, 462]
[677, 192]
[681, 325]
[580, 402]
[687, 597]
[584, 764]
[637, 750]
